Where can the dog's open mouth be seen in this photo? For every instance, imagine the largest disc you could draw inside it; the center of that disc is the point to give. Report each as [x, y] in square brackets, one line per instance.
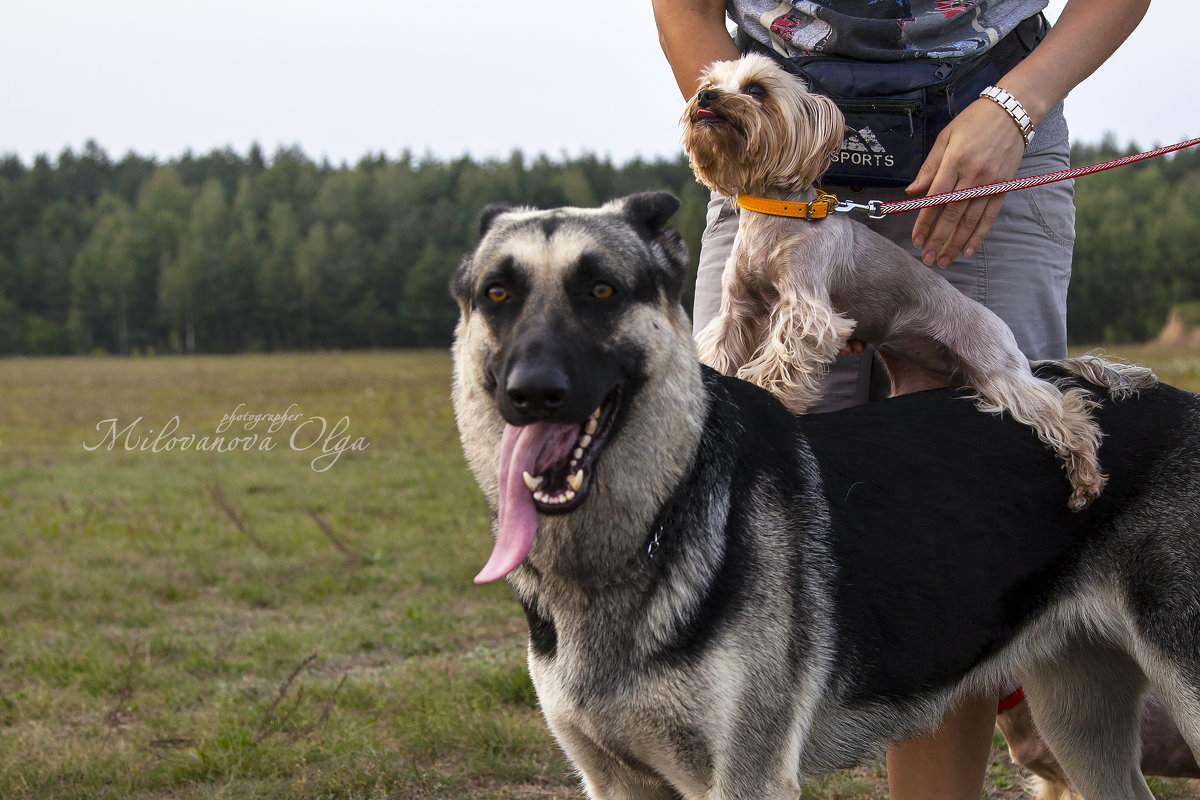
[707, 115]
[562, 471]
[544, 467]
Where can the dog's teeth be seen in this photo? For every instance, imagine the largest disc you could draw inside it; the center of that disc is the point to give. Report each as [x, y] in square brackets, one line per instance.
[532, 482]
[585, 440]
[578, 453]
[595, 414]
[575, 480]
[591, 426]
[569, 496]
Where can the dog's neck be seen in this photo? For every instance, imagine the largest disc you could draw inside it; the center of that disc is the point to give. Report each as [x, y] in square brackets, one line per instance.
[774, 200]
[814, 209]
[805, 195]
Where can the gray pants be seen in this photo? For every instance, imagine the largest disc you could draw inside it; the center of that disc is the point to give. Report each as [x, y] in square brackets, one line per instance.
[1020, 272]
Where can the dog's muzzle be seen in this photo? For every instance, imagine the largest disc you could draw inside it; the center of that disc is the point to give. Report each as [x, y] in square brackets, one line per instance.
[536, 391]
[705, 100]
[560, 403]
[549, 377]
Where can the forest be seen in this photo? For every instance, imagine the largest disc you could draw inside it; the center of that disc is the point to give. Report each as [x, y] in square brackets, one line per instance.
[226, 253]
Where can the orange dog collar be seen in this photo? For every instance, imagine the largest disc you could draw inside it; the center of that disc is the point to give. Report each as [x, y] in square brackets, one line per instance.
[815, 209]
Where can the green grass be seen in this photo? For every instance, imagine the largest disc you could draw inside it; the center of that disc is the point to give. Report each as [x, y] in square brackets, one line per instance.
[159, 609]
[197, 624]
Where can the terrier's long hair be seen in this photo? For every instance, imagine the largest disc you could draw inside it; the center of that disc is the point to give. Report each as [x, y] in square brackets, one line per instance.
[762, 132]
[743, 148]
[754, 129]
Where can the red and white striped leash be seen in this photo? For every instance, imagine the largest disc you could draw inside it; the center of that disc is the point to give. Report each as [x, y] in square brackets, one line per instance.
[877, 209]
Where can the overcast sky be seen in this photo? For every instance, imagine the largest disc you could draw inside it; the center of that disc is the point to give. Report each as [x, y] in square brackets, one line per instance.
[446, 79]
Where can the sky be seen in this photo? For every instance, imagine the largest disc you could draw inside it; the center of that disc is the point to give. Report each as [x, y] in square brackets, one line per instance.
[358, 77]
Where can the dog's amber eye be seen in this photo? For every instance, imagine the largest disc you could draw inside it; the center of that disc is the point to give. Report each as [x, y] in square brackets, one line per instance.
[756, 91]
[497, 293]
[602, 290]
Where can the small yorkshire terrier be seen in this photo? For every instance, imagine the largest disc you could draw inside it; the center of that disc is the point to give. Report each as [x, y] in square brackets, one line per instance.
[795, 291]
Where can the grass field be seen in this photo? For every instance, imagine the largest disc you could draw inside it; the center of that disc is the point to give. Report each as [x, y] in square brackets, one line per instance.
[260, 617]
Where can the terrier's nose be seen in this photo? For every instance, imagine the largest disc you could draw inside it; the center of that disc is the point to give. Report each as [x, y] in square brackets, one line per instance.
[707, 97]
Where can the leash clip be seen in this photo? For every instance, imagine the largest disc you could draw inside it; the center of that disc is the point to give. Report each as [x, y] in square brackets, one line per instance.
[872, 207]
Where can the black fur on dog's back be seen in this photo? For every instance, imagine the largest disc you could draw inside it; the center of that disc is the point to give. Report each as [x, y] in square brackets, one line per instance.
[922, 540]
[932, 534]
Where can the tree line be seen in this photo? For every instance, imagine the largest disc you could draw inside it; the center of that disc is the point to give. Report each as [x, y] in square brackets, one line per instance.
[224, 252]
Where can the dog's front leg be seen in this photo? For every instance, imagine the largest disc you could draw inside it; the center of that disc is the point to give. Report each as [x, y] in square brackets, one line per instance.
[726, 342]
[607, 777]
[753, 785]
[629, 787]
[804, 335]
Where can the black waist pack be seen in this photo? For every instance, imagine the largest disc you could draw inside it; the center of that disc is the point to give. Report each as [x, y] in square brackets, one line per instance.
[894, 111]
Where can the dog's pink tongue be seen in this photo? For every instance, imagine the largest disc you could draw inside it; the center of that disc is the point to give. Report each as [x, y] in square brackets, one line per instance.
[517, 523]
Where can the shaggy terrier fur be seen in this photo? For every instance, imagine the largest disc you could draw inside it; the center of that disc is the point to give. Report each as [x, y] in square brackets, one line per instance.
[795, 291]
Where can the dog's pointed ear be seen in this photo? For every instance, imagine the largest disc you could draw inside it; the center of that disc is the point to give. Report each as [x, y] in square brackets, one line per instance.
[675, 251]
[648, 212]
[826, 129]
[488, 215]
[460, 285]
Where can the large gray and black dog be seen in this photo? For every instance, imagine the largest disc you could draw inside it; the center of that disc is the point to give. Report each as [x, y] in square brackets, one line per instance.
[724, 598]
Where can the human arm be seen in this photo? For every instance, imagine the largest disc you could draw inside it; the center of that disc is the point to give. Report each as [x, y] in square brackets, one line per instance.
[693, 35]
[983, 145]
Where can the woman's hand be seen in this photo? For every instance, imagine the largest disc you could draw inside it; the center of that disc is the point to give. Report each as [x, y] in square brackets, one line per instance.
[981, 145]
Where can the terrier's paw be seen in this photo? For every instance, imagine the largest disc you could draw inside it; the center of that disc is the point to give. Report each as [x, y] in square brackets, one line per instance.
[1087, 482]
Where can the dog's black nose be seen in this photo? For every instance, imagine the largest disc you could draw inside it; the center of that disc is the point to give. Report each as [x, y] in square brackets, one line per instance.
[537, 390]
[707, 97]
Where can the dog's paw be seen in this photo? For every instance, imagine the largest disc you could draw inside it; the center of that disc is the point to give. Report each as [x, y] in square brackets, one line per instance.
[1086, 486]
[1087, 481]
[794, 383]
[1079, 449]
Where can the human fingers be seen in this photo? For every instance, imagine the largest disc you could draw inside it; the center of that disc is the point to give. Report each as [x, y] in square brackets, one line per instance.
[975, 237]
[976, 220]
[920, 186]
[935, 223]
[980, 146]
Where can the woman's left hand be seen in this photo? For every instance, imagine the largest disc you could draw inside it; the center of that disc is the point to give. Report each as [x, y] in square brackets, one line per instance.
[981, 145]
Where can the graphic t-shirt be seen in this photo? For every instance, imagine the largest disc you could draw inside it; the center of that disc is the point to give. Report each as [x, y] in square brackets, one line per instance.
[880, 30]
[889, 30]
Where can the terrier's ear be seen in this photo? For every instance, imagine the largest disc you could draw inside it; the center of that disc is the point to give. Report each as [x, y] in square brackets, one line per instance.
[826, 131]
[648, 212]
[488, 215]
